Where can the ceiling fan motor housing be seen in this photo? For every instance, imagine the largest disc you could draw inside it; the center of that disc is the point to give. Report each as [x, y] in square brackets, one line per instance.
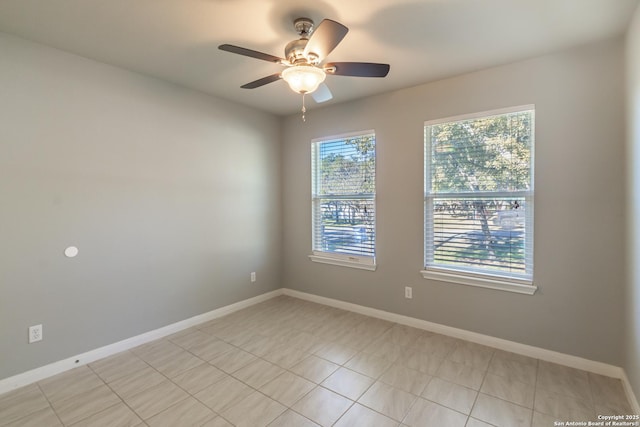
[294, 51]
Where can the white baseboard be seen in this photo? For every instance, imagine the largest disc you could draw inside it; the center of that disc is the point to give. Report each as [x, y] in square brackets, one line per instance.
[511, 346]
[631, 396]
[49, 370]
[60, 366]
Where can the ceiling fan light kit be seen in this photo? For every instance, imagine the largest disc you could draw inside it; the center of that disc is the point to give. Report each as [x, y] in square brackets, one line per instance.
[303, 78]
[304, 74]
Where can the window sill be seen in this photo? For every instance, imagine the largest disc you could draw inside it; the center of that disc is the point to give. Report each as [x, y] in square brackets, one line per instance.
[345, 261]
[517, 286]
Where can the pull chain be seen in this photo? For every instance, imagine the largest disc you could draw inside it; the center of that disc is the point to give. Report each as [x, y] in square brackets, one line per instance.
[304, 109]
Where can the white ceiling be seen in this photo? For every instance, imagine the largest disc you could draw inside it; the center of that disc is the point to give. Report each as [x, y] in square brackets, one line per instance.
[423, 40]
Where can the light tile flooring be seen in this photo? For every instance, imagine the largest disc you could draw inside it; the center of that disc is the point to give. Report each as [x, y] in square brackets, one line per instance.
[288, 362]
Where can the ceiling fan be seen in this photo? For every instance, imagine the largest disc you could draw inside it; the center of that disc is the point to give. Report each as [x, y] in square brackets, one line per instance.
[305, 72]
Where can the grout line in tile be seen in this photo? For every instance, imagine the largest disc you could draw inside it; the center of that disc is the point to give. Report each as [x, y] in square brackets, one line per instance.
[125, 402]
[50, 405]
[481, 384]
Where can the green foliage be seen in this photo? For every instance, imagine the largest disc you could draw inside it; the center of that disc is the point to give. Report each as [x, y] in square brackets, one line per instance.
[348, 167]
[488, 154]
[480, 156]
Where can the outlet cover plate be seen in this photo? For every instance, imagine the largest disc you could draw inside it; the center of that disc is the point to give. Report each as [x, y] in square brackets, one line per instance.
[35, 333]
[408, 292]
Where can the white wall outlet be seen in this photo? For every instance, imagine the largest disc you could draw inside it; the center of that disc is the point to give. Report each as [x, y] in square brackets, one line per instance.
[35, 333]
[408, 292]
[253, 276]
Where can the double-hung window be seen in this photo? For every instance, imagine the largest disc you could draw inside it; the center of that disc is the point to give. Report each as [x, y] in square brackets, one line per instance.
[478, 201]
[343, 200]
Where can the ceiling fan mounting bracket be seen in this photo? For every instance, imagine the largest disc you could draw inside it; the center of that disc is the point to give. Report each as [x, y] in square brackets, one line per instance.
[304, 27]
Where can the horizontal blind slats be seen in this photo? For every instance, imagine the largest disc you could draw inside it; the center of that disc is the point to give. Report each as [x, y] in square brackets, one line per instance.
[479, 194]
[343, 196]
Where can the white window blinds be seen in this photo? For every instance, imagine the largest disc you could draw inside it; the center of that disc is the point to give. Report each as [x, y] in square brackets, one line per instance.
[343, 195]
[479, 195]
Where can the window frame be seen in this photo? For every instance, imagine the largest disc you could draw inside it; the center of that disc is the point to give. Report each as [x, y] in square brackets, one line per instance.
[345, 260]
[464, 276]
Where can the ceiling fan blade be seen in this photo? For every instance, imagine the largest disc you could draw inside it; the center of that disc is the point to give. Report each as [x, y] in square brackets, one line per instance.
[261, 82]
[322, 94]
[357, 69]
[325, 38]
[250, 53]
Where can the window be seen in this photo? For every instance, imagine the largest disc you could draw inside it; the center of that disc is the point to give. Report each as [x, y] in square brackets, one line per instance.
[343, 192]
[478, 200]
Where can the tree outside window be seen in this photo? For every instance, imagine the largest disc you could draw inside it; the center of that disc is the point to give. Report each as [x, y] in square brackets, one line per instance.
[344, 195]
[479, 194]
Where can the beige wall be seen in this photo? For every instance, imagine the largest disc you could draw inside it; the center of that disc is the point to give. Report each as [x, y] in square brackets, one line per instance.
[632, 297]
[579, 202]
[171, 196]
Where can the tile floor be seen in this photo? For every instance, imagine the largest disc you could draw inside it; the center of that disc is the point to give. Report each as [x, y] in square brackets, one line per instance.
[288, 362]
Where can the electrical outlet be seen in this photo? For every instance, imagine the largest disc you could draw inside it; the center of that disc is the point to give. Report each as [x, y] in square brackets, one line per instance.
[35, 333]
[253, 276]
[408, 292]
